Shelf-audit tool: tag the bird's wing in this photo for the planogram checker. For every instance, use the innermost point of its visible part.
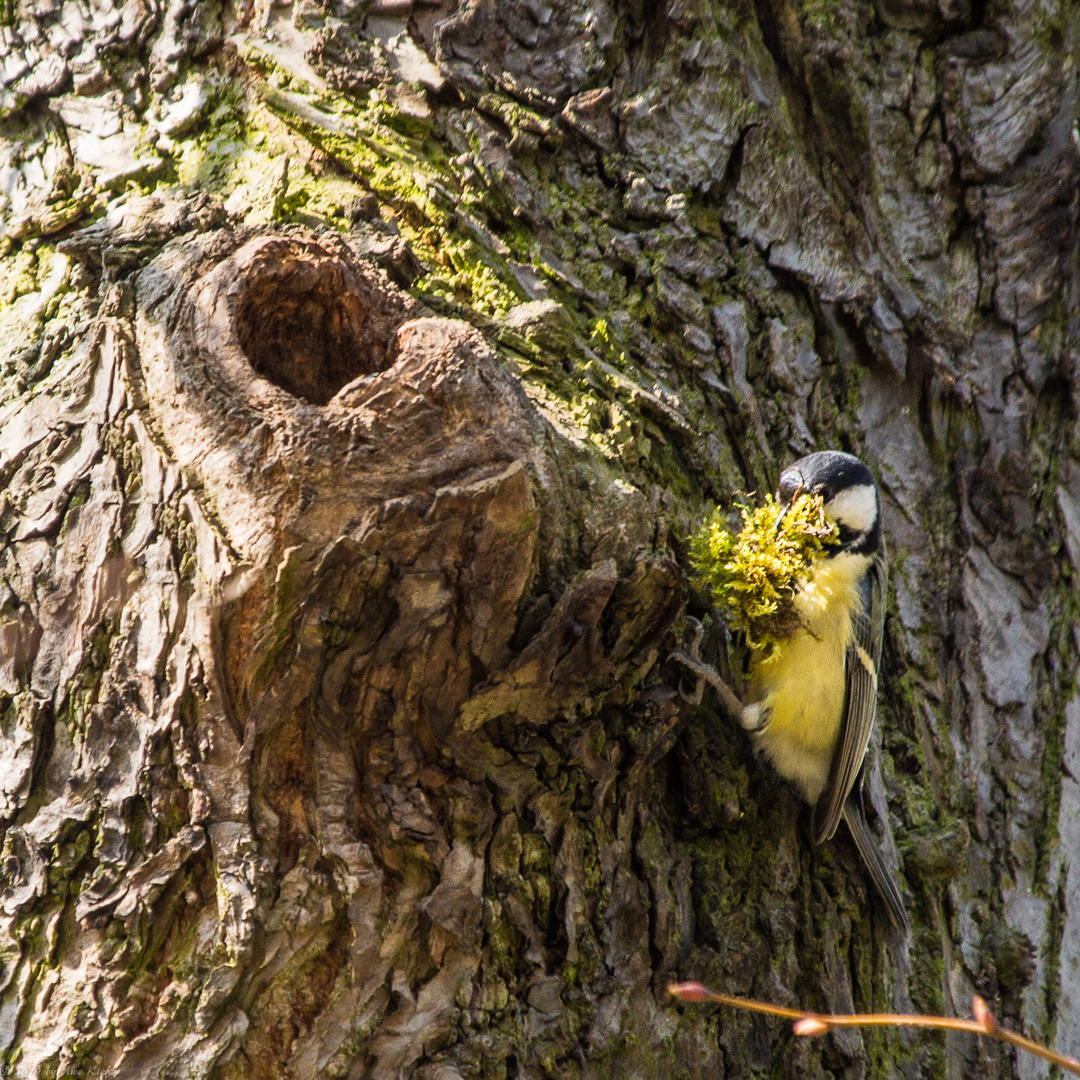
(861, 660)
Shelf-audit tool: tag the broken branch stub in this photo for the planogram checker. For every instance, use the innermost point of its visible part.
(300, 391)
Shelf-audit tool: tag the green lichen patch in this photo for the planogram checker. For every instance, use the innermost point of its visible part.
(752, 576)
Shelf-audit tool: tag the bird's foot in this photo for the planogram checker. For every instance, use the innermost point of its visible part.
(706, 673)
(692, 660)
(695, 696)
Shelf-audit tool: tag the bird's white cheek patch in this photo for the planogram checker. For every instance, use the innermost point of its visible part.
(856, 508)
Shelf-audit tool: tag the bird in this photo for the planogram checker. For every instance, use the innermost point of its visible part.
(813, 698)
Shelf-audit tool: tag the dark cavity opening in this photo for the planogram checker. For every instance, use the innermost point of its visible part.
(307, 322)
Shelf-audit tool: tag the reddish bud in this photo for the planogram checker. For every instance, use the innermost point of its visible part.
(689, 991)
(810, 1025)
(983, 1015)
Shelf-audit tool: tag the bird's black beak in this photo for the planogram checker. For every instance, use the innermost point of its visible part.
(789, 500)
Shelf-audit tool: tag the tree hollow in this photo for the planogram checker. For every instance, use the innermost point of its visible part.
(302, 323)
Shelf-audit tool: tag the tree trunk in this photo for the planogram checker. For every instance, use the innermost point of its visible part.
(365, 368)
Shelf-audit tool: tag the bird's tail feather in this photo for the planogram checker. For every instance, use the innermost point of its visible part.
(871, 856)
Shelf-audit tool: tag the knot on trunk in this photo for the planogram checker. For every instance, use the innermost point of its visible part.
(304, 392)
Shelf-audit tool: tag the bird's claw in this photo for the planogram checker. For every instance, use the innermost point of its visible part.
(705, 673)
(699, 633)
(699, 683)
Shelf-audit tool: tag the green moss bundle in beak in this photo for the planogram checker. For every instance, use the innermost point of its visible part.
(752, 577)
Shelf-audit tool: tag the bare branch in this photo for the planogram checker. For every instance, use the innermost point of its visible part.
(810, 1024)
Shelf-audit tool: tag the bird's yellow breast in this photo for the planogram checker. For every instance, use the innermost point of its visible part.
(802, 684)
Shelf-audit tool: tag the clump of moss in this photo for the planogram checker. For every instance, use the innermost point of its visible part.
(752, 577)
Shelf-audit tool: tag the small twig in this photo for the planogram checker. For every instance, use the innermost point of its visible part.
(808, 1023)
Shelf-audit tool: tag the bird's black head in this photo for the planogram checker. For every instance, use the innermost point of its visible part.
(850, 494)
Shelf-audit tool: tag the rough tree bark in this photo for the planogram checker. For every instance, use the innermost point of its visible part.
(365, 368)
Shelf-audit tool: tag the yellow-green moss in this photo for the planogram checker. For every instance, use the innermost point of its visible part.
(752, 577)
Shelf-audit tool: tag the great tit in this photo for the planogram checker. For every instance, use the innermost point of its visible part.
(814, 698)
